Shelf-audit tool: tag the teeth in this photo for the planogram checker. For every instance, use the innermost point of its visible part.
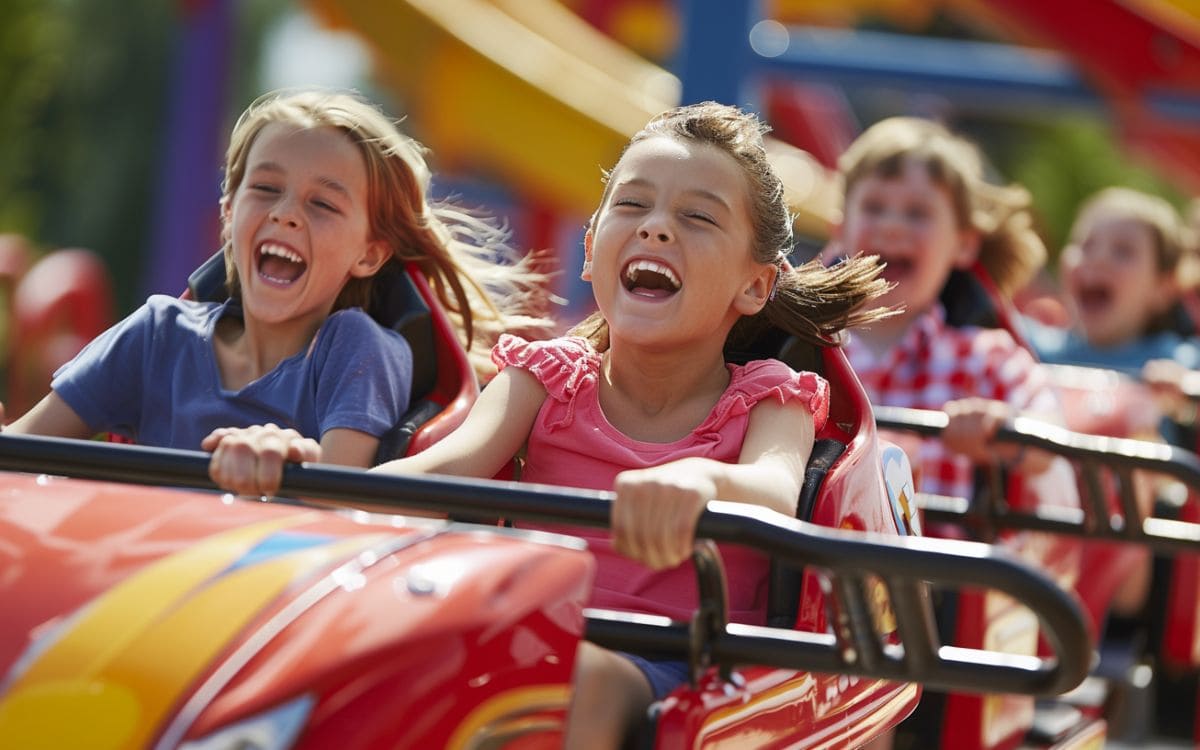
(280, 252)
(631, 271)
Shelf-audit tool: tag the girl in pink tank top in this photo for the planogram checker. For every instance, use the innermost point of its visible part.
(687, 251)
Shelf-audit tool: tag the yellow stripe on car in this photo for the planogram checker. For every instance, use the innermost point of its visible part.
(124, 660)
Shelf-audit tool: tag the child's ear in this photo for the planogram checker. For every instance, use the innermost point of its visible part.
(586, 273)
(371, 259)
(969, 241)
(757, 292)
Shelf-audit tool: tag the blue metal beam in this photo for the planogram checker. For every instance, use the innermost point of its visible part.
(995, 75)
(714, 56)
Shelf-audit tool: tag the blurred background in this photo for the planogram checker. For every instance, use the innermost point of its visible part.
(114, 115)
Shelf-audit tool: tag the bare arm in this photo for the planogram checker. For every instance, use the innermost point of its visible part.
(493, 432)
(51, 416)
(250, 461)
(770, 469)
(655, 513)
(346, 447)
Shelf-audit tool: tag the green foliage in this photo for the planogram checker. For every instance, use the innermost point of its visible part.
(1064, 161)
(85, 94)
(85, 91)
(33, 35)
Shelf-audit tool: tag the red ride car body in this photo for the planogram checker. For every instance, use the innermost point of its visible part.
(149, 617)
(141, 617)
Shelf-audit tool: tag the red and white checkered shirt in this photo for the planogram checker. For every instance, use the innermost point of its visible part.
(935, 363)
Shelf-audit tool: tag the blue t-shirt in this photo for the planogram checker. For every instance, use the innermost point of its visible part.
(1059, 346)
(153, 378)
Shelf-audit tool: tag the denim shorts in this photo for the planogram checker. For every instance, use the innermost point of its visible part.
(664, 675)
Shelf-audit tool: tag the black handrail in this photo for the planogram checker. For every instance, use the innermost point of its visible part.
(905, 564)
(1090, 454)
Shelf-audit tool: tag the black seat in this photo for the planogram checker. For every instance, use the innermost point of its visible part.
(968, 302)
(396, 304)
(786, 581)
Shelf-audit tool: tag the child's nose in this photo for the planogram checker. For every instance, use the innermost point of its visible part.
(655, 230)
(890, 221)
(284, 212)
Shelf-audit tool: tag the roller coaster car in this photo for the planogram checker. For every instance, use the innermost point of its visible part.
(443, 383)
(164, 618)
(1164, 635)
(141, 617)
(1110, 514)
(1149, 662)
(985, 619)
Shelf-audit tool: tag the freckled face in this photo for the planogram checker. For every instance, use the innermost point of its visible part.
(909, 222)
(298, 223)
(670, 257)
(1112, 280)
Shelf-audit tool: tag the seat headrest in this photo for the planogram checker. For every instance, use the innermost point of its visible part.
(968, 302)
(397, 304)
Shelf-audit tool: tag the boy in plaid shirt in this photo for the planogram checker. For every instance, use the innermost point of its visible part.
(915, 196)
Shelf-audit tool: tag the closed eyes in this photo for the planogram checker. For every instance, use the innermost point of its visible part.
(688, 213)
(269, 189)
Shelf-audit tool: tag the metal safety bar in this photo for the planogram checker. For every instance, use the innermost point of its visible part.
(848, 559)
(1093, 455)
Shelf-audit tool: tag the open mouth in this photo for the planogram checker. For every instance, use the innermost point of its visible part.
(1093, 299)
(646, 278)
(278, 264)
(895, 269)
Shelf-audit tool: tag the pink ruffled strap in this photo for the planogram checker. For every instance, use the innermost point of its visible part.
(769, 379)
(561, 365)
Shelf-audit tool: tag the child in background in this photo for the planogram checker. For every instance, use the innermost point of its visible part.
(915, 196)
(321, 191)
(687, 249)
(1121, 274)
